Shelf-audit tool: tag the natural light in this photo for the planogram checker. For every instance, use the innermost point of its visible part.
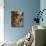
(1, 25)
(1, 21)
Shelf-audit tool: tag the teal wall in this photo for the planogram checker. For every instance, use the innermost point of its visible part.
(29, 7)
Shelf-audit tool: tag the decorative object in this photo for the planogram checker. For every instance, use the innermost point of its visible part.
(26, 41)
(17, 19)
(39, 16)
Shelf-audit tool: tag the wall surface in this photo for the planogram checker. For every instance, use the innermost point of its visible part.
(29, 7)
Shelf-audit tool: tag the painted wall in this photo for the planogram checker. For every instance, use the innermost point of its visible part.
(29, 7)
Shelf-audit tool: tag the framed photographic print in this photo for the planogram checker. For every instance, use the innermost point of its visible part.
(17, 19)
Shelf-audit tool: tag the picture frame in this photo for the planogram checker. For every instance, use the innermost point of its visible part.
(17, 19)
